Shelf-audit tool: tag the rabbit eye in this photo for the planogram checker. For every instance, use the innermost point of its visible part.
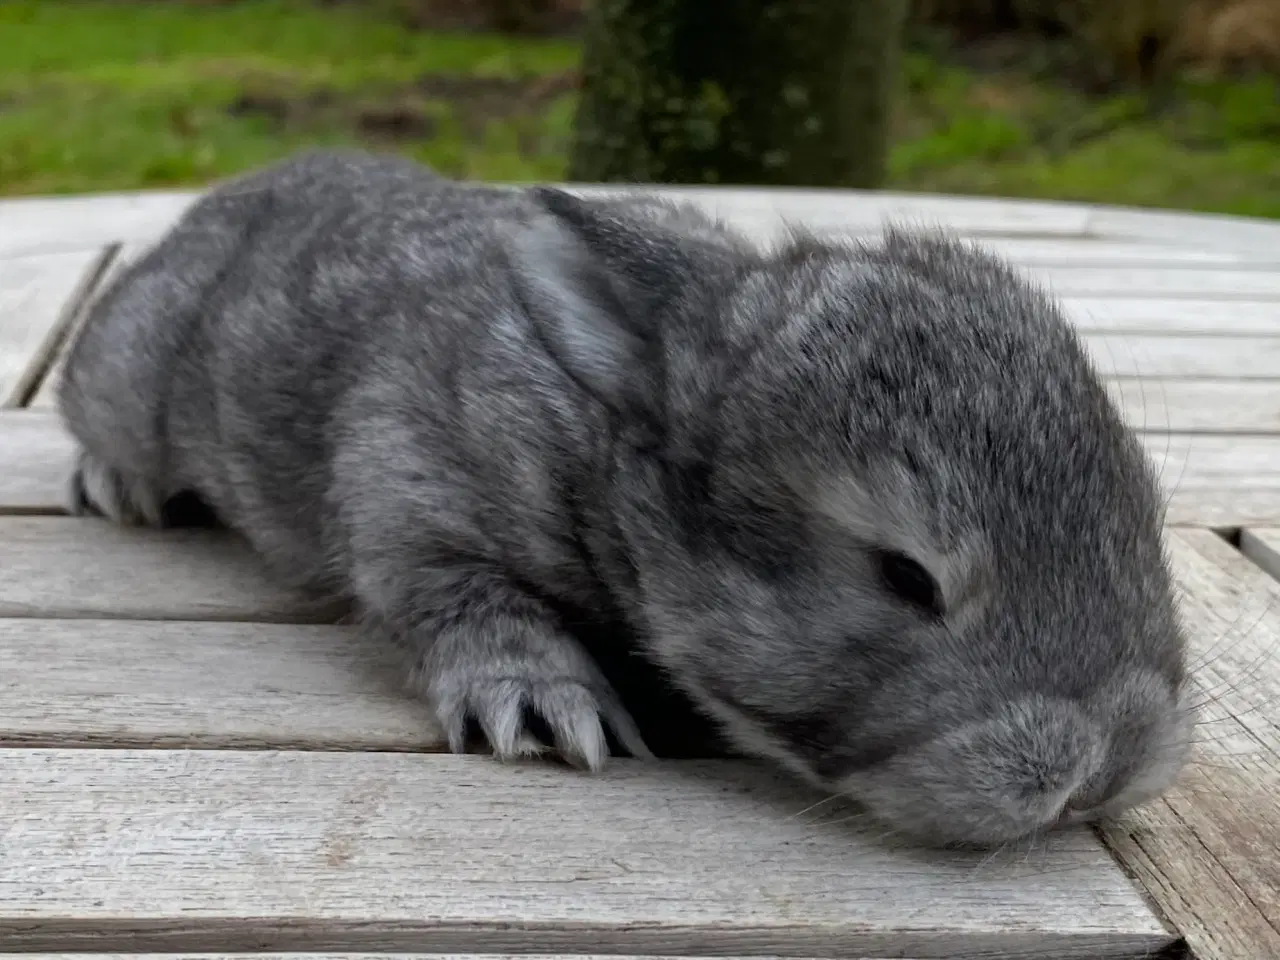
(911, 582)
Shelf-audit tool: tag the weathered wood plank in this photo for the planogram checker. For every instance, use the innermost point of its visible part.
(36, 458)
(1180, 280)
(1177, 356)
(232, 684)
(761, 209)
(70, 567)
(63, 568)
(129, 683)
(1222, 509)
(1157, 315)
(1209, 852)
(1205, 231)
(1217, 480)
(844, 209)
(1157, 404)
(982, 216)
(57, 224)
(390, 851)
(1225, 479)
(45, 397)
(37, 225)
(38, 295)
(229, 684)
(1209, 462)
(42, 225)
(1174, 357)
(1198, 406)
(1092, 252)
(1262, 546)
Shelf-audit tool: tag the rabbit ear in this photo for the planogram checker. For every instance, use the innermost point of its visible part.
(580, 275)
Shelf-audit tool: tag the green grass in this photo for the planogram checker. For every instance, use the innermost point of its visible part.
(1201, 144)
(103, 96)
(111, 96)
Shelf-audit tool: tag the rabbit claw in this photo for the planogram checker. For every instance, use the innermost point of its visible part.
(562, 685)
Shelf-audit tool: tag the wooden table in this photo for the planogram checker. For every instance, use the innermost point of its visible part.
(194, 767)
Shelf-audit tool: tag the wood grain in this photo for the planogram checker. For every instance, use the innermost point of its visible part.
(390, 851)
(71, 567)
(128, 683)
(37, 298)
(1208, 853)
(1262, 546)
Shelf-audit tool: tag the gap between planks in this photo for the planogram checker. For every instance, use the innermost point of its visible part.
(39, 297)
(182, 955)
(1208, 853)
(44, 397)
(1262, 546)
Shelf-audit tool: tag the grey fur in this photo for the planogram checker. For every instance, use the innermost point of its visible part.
(463, 407)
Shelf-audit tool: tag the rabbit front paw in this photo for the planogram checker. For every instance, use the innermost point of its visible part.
(97, 488)
(547, 673)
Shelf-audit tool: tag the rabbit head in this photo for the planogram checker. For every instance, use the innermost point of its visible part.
(882, 520)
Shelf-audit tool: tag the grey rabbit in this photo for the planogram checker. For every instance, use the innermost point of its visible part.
(865, 502)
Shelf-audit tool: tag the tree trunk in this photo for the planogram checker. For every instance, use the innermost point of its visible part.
(776, 92)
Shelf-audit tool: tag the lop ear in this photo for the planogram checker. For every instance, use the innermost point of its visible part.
(574, 266)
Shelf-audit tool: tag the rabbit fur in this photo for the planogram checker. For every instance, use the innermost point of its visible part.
(865, 503)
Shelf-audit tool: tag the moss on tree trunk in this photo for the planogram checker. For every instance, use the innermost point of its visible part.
(771, 92)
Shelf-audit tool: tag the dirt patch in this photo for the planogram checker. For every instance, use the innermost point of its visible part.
(395, 122)
(393, 116)
(408, 113)
(531, 17)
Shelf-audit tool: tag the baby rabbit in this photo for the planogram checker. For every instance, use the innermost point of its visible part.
(867, 504)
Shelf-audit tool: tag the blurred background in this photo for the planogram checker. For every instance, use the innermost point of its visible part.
(1163, 103)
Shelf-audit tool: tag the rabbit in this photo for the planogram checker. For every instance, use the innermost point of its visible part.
(864, 502)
